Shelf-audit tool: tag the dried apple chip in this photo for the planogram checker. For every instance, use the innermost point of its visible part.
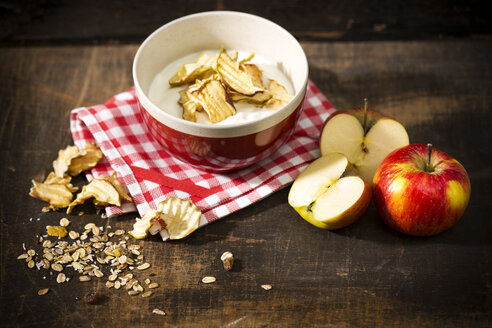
(189, 73)
(207, 60)
(235, 78)
(113, 179)
(211, 95)
(57, 195)
(279, 94)
(142, 226)
(182, 217)
(190, 107)
(247, 59)
(103, 192)
(255, 73)
(65, 156)
(85, 160)
(65, 180)
(258, 99)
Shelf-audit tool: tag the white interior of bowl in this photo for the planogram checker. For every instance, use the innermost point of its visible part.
(212, 30)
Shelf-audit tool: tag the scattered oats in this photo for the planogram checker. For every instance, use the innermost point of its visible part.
(22, 256)
(155, 285)
(159, 312)
(135, 252)
(111, 234)
(122, 259)
(132, 292)
(266, 287)
(208, 279)
(64, 222)
(109, 284)
(75, 256)
(83, 236)
(73, 234)
(45, 263)
(228, 260)
(147, 281)
(61, 278)
(89, 226)
(98, 273)
(24, 246)
(30, 264)
(113, 277)
(77, 265)
(81, 213)
(130, 283)
(84, 278)
(117, 284)
(119, 232)
(43, 291)
(144, 266)
(98, 245)
(96, 231)
(67, 258)
(147, 293)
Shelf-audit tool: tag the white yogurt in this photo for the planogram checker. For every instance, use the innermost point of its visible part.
(166, 98)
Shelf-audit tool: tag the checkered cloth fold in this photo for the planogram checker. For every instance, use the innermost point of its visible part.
(151, 175)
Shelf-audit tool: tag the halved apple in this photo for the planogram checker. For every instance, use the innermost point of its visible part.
(366, 137)
(328, 195)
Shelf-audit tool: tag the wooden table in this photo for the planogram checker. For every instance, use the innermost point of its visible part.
(360, 276)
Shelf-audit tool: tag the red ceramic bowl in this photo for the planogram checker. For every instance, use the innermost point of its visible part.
(228, 146)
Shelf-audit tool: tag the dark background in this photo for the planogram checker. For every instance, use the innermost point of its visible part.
(112, 21)
(427, 63)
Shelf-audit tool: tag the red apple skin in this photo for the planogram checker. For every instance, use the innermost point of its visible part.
(419, 203)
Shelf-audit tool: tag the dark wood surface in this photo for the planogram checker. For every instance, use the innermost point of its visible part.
(360, 276)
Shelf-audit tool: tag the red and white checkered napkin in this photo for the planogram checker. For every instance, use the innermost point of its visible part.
(151, 174)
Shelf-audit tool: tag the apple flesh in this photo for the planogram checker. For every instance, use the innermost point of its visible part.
(328, 195)
(418, 194)
(366, 137)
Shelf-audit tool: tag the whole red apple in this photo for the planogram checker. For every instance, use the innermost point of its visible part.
(420, 191)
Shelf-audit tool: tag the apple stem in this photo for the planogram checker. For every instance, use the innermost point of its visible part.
(365, 115)
(429, 153)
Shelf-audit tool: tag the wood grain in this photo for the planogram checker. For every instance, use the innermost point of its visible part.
(363, 275)
(90, 21)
